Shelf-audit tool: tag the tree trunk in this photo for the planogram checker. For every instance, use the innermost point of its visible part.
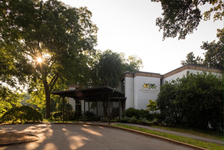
(47, 96)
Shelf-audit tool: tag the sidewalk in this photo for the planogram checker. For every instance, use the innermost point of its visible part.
(176, 133)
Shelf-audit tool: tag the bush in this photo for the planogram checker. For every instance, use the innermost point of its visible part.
(138, 114)
(194, 100)
(124, 120)
(56, 116)
(133, 120)
(23, 114)
(144, 121)
(90, 115)
(115, 112)
(130, 112)
(104, 119)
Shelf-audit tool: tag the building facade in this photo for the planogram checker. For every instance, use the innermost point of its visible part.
(139, 87)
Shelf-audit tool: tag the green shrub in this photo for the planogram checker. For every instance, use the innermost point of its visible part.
(133, 120)
(56, 116)
(144, 121)
(195, 100)
(90, 115)
(22, 114)
(115, 112)
(104, 119)
(144, 114)
(130, 112)
(124, 120)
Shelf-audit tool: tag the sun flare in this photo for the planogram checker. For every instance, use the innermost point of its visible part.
(39, 59)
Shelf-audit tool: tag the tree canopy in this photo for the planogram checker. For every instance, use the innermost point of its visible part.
(50, 30)
(191, 59)
(214, 51)
(213, 54)
(182, 17)
(108, 66)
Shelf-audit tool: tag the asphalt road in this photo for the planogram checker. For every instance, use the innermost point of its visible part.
(86, 137)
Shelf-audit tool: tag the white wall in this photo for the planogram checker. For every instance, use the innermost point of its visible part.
(174, 77)
(129, 92)
(142, 95)
(71, 100)
(182, 73)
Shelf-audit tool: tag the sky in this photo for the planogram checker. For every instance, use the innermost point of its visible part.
(129, 26)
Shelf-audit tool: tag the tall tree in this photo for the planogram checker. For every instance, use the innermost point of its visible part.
(132, 64)
(49, 31)
(110, 68)
(214, 51)
(191, 59)
(182, 17)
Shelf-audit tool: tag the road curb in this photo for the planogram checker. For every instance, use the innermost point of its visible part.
(158, 137)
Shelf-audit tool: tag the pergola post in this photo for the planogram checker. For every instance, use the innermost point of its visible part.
(109, 106)
(88, 111)
(84, 111)
(77, 110)
(119, 109)
(97, 110)
(63, 105)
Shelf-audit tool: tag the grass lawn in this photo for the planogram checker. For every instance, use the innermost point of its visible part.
(198, 143)
(207, 134)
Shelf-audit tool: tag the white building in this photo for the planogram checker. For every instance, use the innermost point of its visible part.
(139, 87)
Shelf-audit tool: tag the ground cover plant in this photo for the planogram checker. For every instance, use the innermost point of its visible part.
(23, 114)
(208, 145)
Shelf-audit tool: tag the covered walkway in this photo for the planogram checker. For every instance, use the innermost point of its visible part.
(96, 94)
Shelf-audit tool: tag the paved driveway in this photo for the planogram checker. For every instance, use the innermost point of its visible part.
(72, 136)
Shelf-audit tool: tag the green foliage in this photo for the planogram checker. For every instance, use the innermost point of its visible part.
(56, 116)
(130, 112)
(214, 51)
(115, 112)
(144, 114)
(194, 100)
(14, 68)
(23, 114)
(213, 56)
(90, 116)
(108, 66)
(138, 114)
(152, 105)
(8, 99)
(132, 64)
(190, 59)
(50, 30)
(144, 121)
(129, 120)
(182, 17)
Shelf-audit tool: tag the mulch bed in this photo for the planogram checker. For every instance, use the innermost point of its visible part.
(9, 138)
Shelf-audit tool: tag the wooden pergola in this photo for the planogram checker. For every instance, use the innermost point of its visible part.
(96, 94)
